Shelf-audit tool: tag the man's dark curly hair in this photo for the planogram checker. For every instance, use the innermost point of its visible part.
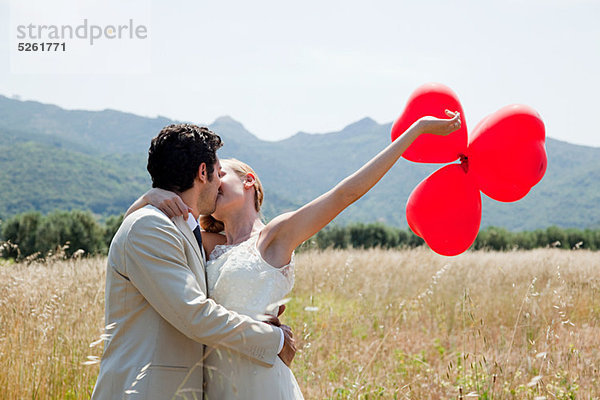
(176, 154)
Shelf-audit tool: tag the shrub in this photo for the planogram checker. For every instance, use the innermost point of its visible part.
(21, 230)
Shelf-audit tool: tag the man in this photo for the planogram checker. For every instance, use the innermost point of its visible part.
(157, 310)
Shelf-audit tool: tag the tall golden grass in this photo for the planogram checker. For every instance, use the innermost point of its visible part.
(369, 324)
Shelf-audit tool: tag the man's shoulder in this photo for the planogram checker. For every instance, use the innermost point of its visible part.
(146, 225)
(147, 214)
(147, 218)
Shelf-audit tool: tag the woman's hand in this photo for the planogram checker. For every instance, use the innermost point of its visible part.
(168, 202)
(438, 126)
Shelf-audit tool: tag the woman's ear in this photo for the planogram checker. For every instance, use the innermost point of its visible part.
(249, 181)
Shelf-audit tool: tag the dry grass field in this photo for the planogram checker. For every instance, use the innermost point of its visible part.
(370, 324)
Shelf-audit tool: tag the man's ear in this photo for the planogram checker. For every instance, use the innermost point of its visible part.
(202, 173)
(249, 181)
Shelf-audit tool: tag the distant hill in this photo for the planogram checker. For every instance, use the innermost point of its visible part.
(104, 132)
(36, 176)
(54, 158)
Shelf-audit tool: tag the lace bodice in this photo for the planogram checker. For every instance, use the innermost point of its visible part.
(242, 281)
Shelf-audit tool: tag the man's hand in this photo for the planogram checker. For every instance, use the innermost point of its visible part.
(271, 320)
(288, 352)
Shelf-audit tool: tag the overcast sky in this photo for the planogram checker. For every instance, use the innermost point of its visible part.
(316, 66)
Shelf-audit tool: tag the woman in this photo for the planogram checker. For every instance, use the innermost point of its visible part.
(251, 266)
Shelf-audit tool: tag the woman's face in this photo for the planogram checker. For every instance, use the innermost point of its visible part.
(231, 195)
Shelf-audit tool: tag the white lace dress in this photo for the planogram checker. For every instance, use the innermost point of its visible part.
(242, 281)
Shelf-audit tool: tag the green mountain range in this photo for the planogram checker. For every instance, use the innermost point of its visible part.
(52, 158)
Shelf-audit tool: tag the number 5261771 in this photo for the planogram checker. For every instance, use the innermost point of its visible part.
(44, 46)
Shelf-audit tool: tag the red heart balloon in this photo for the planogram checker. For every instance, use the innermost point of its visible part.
(432, 99)
(507, 153)
(445, 210)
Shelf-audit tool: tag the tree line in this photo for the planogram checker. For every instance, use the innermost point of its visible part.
(32, 235)
(364, 236)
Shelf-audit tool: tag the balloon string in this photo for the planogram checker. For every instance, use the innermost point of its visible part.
(464, 162)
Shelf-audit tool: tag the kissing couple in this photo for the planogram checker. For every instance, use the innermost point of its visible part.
(183, 325)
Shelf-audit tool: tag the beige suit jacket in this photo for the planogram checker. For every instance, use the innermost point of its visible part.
(159, 316)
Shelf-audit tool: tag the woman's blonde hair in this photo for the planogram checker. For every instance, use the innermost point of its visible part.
(208, 222)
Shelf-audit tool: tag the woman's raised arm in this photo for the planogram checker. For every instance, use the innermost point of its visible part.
(284, 233)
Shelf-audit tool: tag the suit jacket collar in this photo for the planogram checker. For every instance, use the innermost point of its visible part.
(189, 235)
